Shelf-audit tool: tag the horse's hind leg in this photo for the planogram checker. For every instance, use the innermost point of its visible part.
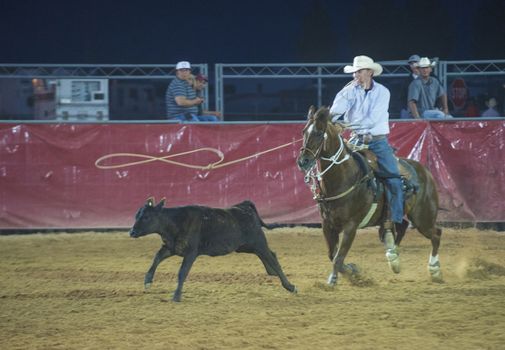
(400, 231)
(434, 234)
(434, 263)
(392, 254)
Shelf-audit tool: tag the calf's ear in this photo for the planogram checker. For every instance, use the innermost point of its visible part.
(150, 202)
(161, 203)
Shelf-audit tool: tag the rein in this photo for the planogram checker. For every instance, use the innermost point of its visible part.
(334, 159)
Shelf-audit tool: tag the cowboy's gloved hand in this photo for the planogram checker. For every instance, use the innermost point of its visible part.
(367, 138)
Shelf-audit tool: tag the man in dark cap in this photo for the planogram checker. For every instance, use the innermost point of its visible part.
(413, 63)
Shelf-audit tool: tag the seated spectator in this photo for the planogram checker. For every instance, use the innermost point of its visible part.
(472, 110)
(491, 111)
(424, 93)
(180, 98)
(198, 83)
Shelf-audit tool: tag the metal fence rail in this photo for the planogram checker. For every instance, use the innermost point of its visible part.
(398, 68)
(470, 68)
(293, 70)
(224, 72)
(93, 71)
(97, 71)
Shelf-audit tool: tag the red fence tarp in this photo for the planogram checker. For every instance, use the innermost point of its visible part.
(48, 176)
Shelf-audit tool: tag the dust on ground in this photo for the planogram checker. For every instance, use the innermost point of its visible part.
(85, 291)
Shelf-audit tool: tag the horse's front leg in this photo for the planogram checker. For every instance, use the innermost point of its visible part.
(338, 259)
(331, 235)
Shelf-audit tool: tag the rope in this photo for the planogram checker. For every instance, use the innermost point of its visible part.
(165, 159)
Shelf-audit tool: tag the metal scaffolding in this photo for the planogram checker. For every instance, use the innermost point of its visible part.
(399, 68)
(98, 71)
(223, 72)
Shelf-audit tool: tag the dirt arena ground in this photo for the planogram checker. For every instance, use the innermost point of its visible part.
(85, 291)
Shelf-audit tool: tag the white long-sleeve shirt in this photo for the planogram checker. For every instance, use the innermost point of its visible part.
(367, 109)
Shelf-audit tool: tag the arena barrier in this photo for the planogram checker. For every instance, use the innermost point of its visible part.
(97, 175)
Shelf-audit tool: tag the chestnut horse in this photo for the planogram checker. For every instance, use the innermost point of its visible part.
(349, 196)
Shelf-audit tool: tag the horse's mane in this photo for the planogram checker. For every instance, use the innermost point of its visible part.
(333, 131)
(323, 115)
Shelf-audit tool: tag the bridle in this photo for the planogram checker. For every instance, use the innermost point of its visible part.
(315, 174)
(334, 159)
(304, 147)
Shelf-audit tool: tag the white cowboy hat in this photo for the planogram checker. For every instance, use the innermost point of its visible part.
(363, 62)
(425, 62)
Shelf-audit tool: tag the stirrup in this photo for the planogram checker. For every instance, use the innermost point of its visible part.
(388, 225)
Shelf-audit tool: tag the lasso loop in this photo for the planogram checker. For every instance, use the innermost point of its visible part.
(166, 159)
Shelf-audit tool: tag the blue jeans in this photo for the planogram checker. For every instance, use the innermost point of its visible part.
(188, 117)
(207, 118)
(433, 114)
(389, 165)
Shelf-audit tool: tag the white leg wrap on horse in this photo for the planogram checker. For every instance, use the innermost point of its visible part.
(332, 279)
(434, 269)
(392, 254)
(389, 240)
(433, 259)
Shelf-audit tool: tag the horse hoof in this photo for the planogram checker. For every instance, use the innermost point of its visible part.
(436, 273)
(295, 290)
(147, 286)
(393, 260)
(353, 269)
(437, 278)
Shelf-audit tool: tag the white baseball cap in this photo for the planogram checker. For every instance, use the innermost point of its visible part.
(183, 65)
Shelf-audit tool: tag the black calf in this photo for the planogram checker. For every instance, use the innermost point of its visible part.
(196, 230)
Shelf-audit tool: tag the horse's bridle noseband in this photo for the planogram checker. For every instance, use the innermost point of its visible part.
(317, 154)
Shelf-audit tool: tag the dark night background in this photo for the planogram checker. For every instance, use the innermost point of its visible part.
(262, 31)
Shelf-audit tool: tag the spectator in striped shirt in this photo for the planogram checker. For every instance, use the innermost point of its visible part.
(181, 99)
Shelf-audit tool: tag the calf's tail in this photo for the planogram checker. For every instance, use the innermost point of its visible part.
(265, 225)
(270, 226)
